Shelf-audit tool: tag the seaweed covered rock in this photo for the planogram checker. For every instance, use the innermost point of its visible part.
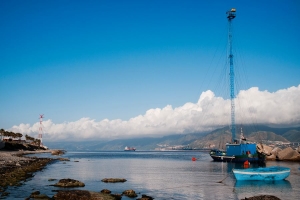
(57, 152)
(69, 183)
(262, 197)
(116, 196)
(72, 194)
(105, 191)
(38, 195)
(81, 195)
(63, 159)
(113, 180)
(12, 175)
(130, 193)
(145, 197)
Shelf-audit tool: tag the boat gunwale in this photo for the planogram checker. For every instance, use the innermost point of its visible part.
(257, 173)
(263, 171)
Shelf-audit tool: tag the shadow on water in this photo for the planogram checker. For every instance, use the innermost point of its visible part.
(280, 184)
(282, 189)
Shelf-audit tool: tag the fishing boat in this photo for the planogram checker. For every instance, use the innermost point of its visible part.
(129, 149)
(262, 174)
(239, 150)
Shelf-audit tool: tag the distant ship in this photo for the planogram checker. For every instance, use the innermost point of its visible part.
(129, 149)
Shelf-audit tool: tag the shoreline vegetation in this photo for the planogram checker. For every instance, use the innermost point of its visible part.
(16, 168)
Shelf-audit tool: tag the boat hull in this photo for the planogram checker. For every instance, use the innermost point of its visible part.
(238, 153)
(129, 149)
(262, 174)
(237, 159)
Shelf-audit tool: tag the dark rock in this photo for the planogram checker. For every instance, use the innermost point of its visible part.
(72, 194)
(130, 193)
(57, 152)
(35, 193)
(40, 196)
(116, 196)
(63, 159)
(262, 197)
(13, 146)
(14, 176)
(105, 191)
(4, 194)
(145, 197)
(69, 183)
(114, 180)
(52, 179)
(81, 195)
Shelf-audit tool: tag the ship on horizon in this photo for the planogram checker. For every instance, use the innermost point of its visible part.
(129, 148)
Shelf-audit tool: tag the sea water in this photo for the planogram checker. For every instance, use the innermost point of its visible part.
(162, 175)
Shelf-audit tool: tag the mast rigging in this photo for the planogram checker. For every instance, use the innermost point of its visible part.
(231, 16)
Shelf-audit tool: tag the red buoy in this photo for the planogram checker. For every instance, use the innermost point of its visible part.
(246, 164)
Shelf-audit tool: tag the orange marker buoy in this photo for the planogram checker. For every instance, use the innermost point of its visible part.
(194, 159)
(246, 164)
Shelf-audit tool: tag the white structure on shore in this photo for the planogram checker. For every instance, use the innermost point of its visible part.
(40, 136)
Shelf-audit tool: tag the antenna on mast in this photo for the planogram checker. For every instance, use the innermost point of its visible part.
(40, 136)
(231, 16)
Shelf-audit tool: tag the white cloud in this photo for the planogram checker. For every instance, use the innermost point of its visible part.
(252, 106)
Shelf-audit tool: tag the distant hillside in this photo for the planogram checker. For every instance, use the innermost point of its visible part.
(256, 133)
(141, 144)
(292, 135)
(266, 135)
(215, 139)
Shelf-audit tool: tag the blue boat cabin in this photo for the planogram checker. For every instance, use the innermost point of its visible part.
(240, 149)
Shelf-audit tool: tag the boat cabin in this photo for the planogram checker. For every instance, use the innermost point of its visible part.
(240, 149)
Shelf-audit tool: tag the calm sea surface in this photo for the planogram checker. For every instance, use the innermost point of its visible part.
(162, 175)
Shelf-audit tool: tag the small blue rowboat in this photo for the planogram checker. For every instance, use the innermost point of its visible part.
(262, 174)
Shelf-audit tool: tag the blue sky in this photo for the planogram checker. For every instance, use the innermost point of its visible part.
(117, 59)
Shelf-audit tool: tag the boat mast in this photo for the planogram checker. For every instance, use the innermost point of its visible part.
(231, 16)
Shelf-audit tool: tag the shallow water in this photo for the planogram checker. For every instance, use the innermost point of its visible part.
(162, 175)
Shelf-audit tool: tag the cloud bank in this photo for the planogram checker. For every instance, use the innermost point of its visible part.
(281, 108)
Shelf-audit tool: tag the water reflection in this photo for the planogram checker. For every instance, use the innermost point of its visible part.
(279, 189)
(280, 184)
(164, 175)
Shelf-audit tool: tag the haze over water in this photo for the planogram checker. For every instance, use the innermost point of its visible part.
(162, 175)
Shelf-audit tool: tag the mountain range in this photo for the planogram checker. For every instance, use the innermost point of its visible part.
(214, 139)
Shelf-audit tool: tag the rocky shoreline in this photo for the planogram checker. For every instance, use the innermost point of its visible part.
(15, 168)
(287, 154)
